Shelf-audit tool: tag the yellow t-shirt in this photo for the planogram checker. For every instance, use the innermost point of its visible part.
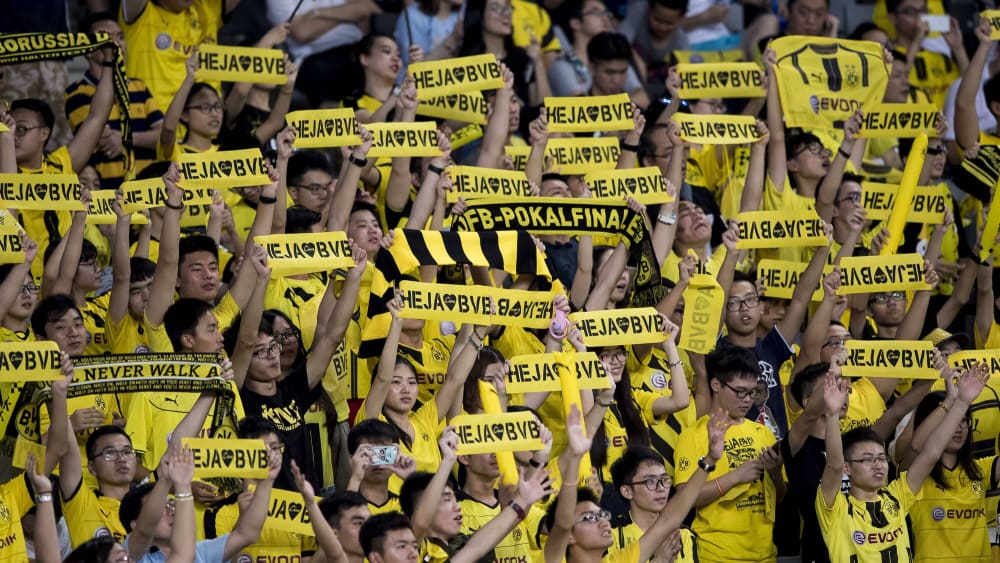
(614, 428)
(159, 42)
(89, 514)
(740, 522)
(630, 533)
(95, 312)
(16, 499)
(628, 555)
(289, 294)
(426, 429)
(865, 407)
(43, 226)
(275, 544)
(951, 524)
(129, 336)
(933, 73)
(344, 367)
(475, 514)
(390, 505)
(850, 534)
(430, 361)
(670, 266)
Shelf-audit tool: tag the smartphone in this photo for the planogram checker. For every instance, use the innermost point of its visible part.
(937, 23)
(383, 455)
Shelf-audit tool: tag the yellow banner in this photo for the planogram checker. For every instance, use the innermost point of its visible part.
(287, 512)
(641, 325)
(324, 128)
(720, 80)
(3, 128)
(30, 361)
(540, 372)
(519, 155)
(781, 277)
(491, 433)
(928, 205)
(580, 155)
(466, 135)
(909, 359)
(588, 114)
(704, 301)
(452, 76)
(966, 358)
(40, 192)
(240, 64)
(222, 169)
(476, 304)
(992, 226)
(876, 274)
(22, 448)
(11, 250)
(646, 185)
(781, 229)
(306, 253)
(698, 57)
(469, 182)
(891, 121)
(717, 129)
(993, 16)
(465, 107)
(244, 459)
(101, 211)
(143, 194)
(196, 196)
(404, 139)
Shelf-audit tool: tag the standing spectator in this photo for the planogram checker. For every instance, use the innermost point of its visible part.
(654, 31)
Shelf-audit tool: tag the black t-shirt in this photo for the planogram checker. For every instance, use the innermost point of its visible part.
(805, 471)
(286, 409)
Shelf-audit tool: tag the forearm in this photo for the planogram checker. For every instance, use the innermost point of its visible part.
(172, 118)
(183, 535)
(913, 322)
(966, 117)
(326, 538)
(430, 500)
(46, 551)
(753, 190)
(235, 101)
(276, 120)
(146, 139)
(496, 130)
(534, 168)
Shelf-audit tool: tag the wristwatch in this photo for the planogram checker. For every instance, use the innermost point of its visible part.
(359, 162)
(704, 465)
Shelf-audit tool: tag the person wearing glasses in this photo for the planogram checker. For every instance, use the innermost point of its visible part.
(868, 522)
(198, 106)
(734, 508)
(641, 478)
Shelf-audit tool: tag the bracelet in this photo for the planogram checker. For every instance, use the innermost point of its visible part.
(183, 496)
(267, 200)
(945, 407)
(175, 207)
(628, 147)
(719, 486)
(521, 514)
(606, 405)
(43, 497)
(667, 219)
(359, 162)
(435, 169)
(843, 153)
(675, 364)
(478, 344)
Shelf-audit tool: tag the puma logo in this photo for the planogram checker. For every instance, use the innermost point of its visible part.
(172, 400)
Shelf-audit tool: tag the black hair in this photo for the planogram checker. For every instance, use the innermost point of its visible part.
(404, 438)
(792, 2)
(631, 418)
(726, 364)
(38, 106)
(367, 43)
(333, 506)
(141, 269)
(624, 469)
(253, 427)
(373, 531)
(100, 432)
(94, 550)
(608, 46)
(991, 90)
(131, 505)
(153, 170)
(364, 206)
(965, 457)
(676, 5)
(87, 251)
(372, 431)
(414, 486)
(300, 220)
(196, 243)
(88, 21)
(472, 32)
(806, 380)
(797, 142)
(739, 276)
(857, 436)
(49, 310)
(583, 494)
(472, 402)
(305, 161)
(182, 318)
(863, 28)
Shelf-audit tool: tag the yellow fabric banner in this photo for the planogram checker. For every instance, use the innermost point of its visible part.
(101, 211)
(892, 121)
(240, 64)
(469, 182)
(966, 358)
(698, 57)
(288, 513)
(993, 16)
(580, 155)
(822, 81)
(306, 253)
(11, 250)
(465, 107)
(197, 196)
(781, 229)
(910, 359)
(645, 184)
(518, 155)
(717, 129)
(720, 80)
(781, 277)
(466, 135)
(992, 226)
(213, 457)
(143, 194)
(641, 325)
(704, 301)
(30, 361)
(928, 204)
(587, 114)
(532, 373)
(403, 139)
(324, 128)
(40, 192)
(491, 433)
(876, 274)
(904, 197)
(451, 76)
(22, 448)
(222, 169)
(476, 304)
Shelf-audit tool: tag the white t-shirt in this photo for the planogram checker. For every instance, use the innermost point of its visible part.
(704, 33)
(278, 12)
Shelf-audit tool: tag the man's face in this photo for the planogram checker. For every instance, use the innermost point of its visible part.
(138, 297)
(833, 344)
(265, 362)
(313, 190)
(121, 469)
(30, 134)
(609, 77)
(811, 161)
(807, 17)
(364, 228)
(595, 18)
(743, 309)
(907, 17)
(737, 396)
(399, 546)
(899, 84)
(642, 496)
(663, 21)
(888, 309)
(591, 531)
(448, 518)
(482, 465)
(206, 339)
(67, 331)
(866, 465)
(198, 276)
(349, 526)
(112, 28)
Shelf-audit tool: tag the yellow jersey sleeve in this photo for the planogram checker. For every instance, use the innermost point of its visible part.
(15, 501)
(89, 515)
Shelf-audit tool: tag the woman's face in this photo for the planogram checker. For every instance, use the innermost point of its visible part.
(383, 60)
(614, 361)
(203, 114)
(498, 18)
(118, 554)
(89, 178)
(402, 390)
(621, 288)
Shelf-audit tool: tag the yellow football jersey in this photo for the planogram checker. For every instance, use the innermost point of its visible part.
(952, 524)
(16, 499)
(476, 514)
(90, 514)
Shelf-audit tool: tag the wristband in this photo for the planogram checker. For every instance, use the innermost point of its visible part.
(267, 200)
(945, 407)
(43, 497)
(667, 219)
(435, 169)
(843, 153)
(606, 405)
(719, 486)
(521, 514)
(175, 207)
(675, 364)
(359, 162)
(478, 344)
(628, 147)
(183, 496)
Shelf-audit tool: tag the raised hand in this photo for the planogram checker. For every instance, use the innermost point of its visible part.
(395, 305)
(834, 393)
(404, 466)
(718, 423)
(579, 442)
(286, 138)
(448, 442)
(303, 484)
(971, 383)
(533, 486)
(40, 483)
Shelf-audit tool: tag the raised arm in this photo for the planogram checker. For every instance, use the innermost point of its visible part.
(629, 155)
(183, 533)
(243, 286)
(57, 441)
(87, 135)
(397, 192)
(966, 117)
(350, 175)
(984, 297)
(753, 189)
(827, 190)
(326, 343)
(279, 217)
(251, 521)
(45, 514)
(538, 136)
(458, 370)
(172, 118)
(250, 321)
(121, 269)
(790, 325)
(70, 259)
(607, 278)
(913, 322)
(434, 177)
(834, 395)
(498, 126)
(569, 466)
(430, 499)
(141, 537)
(326, 538)
(680, 396)
(777, 160)
(387, 362)
(13, 284)
(161, 291)
(276, 119)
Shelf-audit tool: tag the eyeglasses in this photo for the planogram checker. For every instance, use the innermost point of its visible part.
(750, 301)
(273, 349)
(208, 108)
(883, 298)
(30, 289)
(934, 151)
(286, 336)
(869, 461)
(88, 264)
(115, 455)
(816, 149)
(743, 393)
(853, 197)
(500, 9)
(835, 343)
(21, 130)
(654, 483)
(613, 356)
(316, 188)
(278, 448)
(594, 517)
